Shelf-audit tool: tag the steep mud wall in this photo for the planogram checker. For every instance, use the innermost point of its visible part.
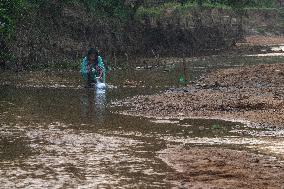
(60, 35)
(185, 31)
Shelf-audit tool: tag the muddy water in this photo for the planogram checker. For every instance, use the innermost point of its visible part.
(56, 134)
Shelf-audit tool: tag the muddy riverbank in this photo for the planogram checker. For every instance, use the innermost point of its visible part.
(253, 95)
(211, 167)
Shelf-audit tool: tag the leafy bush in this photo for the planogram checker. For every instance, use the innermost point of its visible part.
(10, 11)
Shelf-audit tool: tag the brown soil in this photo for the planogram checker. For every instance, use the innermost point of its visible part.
(211, 167)
(264, 40)
(254, 94)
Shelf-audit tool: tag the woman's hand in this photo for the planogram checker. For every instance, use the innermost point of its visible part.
(99, 79)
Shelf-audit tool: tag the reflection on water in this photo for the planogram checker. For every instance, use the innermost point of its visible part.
(93, 104)
(67, 139)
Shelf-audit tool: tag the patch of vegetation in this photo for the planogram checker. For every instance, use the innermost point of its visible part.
(216, 126)
(281, 15)
(220, 4)
(66, 64)
(261, 30)
(10, 12)
(157, 11)
(180, 6)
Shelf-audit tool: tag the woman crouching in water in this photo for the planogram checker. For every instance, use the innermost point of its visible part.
(93, 68)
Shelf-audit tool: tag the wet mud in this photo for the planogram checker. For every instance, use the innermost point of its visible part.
(252, 95)
(213, 167)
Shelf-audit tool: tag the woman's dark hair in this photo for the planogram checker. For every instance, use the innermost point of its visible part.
(95, 52)
(92, 51)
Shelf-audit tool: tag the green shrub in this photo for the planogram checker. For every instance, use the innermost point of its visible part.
(10, 12)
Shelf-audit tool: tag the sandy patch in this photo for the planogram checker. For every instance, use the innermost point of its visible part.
(211, 167)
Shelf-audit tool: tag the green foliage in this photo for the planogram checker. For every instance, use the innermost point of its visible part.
(153, 12)
(184, 5)
(239, 4)
(281, 17)
(113, 8)
(10, 11)
(216, 126)
(263, 3)
(235, 4)
(109, 8)
(157, 11)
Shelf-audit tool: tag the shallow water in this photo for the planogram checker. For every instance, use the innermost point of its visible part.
(56, 134)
